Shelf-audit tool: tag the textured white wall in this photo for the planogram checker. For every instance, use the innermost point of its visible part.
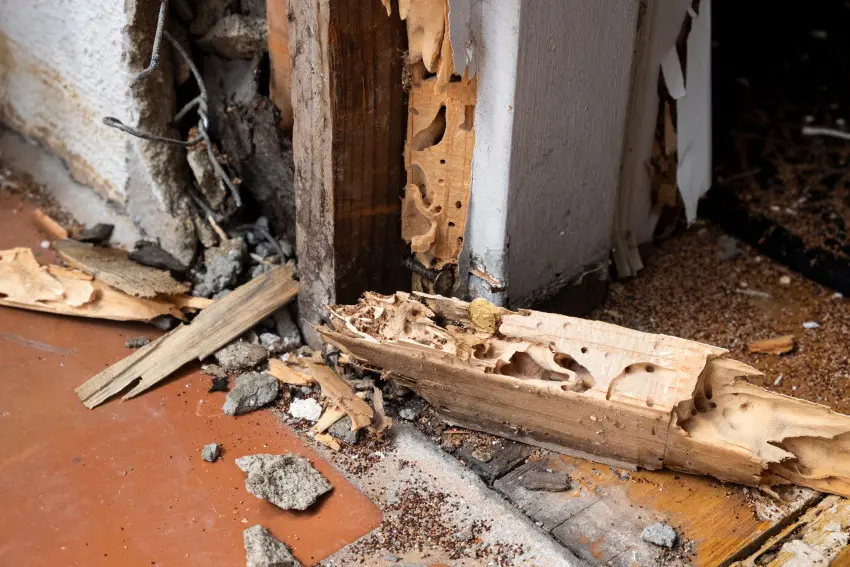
(62, 68)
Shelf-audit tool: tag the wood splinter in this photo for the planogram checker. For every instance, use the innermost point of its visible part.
(598, 391)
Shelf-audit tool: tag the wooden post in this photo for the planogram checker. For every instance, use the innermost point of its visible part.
(348, 144)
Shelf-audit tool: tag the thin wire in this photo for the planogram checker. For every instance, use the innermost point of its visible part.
(157, 41)
(113, 122)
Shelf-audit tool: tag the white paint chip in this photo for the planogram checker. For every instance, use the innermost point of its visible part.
(811, 325)
(305, 408)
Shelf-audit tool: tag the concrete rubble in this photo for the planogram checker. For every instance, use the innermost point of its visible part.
(342, 431)
(240, 355)
(660, 534)
(210, 453)
(305, 408)
(253, 390)
(288, 481)
(262, 549)
(223, 265)
(236, 37)
(136, 342)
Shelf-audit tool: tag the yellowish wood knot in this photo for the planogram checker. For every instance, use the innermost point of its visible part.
(485, 316)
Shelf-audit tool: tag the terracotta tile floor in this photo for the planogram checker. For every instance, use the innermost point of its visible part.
(124, 484)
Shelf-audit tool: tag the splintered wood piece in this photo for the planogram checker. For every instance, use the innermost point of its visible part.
(341, 394)
(53, 289)
(599, 391)
(115, 268)
(426, 28)
(288, 375)
(328, 441)
(775, 345)
(190, 302)
(331, 416)
(213, 328)
(380, 422)
(816, 538)
(47, 224)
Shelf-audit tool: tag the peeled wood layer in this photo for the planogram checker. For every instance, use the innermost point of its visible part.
(597, 390)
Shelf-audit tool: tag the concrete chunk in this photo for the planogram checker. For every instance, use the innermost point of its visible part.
(660, 534)
(262, 549)
(240, 356)
(210, 453)
(288, 481)
(305, 408)
(253, 390)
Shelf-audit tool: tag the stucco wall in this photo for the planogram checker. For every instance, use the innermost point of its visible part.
(64, 65)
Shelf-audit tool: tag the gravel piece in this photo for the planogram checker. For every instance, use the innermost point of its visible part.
(240, 356)
(210, 453)
(544, 480)
(413, 409)
(213, 370)
(253, 390)
(287, 330)
(262, 549)
(288, 481)
(305, 408)
(137, 342)
(224, 264)
(272, 343)
(660, 534)
(342, 431)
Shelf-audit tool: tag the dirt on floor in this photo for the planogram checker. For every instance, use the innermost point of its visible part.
(692, 289)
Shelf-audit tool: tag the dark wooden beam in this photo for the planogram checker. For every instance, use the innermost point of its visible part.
(348, 143)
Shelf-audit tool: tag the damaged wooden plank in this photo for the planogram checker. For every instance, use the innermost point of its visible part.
(213, 328)
(348, 146)
(599, 391)
(288, 375)
(114, 267)
(54, 289)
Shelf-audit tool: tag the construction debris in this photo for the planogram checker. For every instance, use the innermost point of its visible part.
(210, 453)
(775, 345)
(98, 234)
(53, 289)
(288, 375)
(240, 355)
(342, 431)
(660, 534)
(633, 399)
(253, 390)
(237, 37)
(305, 408)
(151, 255)
(341, 394)
(547, 480)
(213, 328)
(224, 264)
(262, 549)
(115, 268)
(287, 330)
(288, 481)
(137, 342)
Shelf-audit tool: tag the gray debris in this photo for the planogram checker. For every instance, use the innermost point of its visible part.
(413, 409)
(210, 185)
(287, 330)
(240, 356)
(260, 269)
(391, 558)
(727, 247)
(342, 431)
(253, 390)
(224, 264)
(544, 480)
(165, 322)
(222, 294)
(150, 254)
(465, 535)
(207, 14)
(272, 343)
(237, 37)
(211, 452)
(485, 455)
(660, 534)
(305, 408)
(137, 342)
(262, 549)
(98, 234)
(288, 249)
(288, 481)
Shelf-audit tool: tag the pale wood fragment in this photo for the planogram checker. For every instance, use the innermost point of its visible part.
(115, 268)
(53, 289)
(213, 328)
(190, 302)
(600, 391)
(49, 225)
(341, 394)
(380, 422)
(328, 441)
(775, 345)
(288, 375)
(331, 416)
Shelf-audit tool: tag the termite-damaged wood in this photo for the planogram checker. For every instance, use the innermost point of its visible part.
(440, 138)
(599, 391)
(216, 326)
